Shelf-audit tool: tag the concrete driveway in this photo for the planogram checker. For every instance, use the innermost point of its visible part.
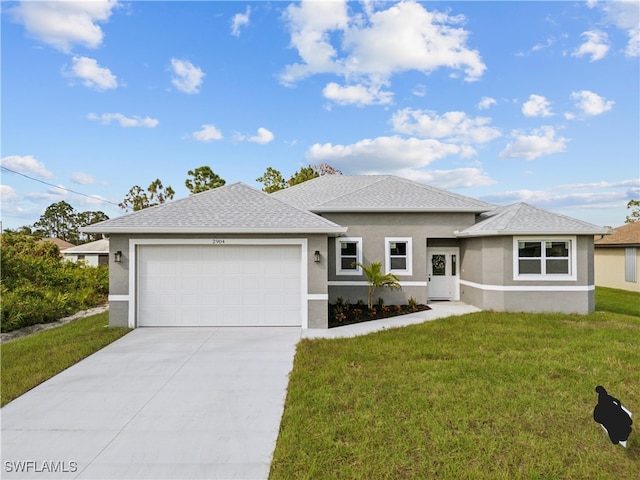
(158, 403)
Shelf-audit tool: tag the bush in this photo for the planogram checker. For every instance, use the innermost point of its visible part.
(38, 287)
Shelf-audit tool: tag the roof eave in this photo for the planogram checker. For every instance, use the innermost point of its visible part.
(214, 230)
(496, 233)
(397, 210)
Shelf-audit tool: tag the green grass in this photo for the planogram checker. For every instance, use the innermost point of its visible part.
(29, 361)
(486, 395)
(618, 301)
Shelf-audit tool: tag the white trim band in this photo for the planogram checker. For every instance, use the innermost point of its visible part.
(529, 288)
(317, 296)
(340, 283)
(118, 298)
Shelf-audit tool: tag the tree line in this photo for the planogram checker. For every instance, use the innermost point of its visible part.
(204, 178)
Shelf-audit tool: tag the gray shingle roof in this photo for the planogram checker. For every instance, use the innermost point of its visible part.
(525, 219)
(99, 246)
(376, 193)
(235, 208)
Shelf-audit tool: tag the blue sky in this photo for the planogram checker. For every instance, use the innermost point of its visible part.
(503, 101)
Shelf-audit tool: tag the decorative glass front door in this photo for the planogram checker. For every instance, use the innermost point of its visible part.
(442, 272)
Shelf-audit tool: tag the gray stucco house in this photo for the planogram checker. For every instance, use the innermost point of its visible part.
(238, 256)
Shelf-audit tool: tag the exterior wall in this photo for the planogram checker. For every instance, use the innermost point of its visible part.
(609, 268)
(487, 279)
(120, 291)
(93, 260)
(373, 228)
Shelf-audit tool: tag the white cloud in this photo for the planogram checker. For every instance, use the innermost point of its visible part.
(207, 133)
(359, 95)
(107, 118)
(596, 45)
(542, 141)
(591, 103)
(536, 106)
(634, 183)
(486, 103)
(376, 44)
(7, 194)
(625, 15)
(240, 20)
(384, 153)
(27, 165)
(454, 126)
(64, 24)
(456, 178)
(263, 137)
(186, 77)
(555, 199)
(83, 178)
(92, 75)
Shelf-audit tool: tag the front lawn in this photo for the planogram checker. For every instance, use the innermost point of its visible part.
(29, 361)
(486, 395)
(618, 301)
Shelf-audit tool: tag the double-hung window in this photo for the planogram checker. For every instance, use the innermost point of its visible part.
(548, 259)
(348, 254)
(398, 255)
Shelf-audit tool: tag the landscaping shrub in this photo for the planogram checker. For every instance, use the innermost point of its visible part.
(39, 287)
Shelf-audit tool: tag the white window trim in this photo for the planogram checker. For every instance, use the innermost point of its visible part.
(387, 255)
(573, 261)
(339, 270)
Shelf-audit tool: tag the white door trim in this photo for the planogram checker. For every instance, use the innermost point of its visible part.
(133, 264)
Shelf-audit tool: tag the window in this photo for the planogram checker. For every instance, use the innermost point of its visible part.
(348, 253)
(398, 256)
(552, 259)
(630, 264)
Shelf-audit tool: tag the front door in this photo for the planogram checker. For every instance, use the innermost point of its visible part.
(442, 269)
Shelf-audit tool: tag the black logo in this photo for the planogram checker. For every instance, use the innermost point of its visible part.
(613, 416)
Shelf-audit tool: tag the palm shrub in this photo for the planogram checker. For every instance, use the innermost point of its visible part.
(377, 279)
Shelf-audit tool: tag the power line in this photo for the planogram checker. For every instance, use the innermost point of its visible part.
(59, 187)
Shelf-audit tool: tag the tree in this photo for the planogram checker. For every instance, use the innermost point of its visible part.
(272, 180)
(634, 205)
(158, 193)
(377, 279)
(89, 218)
(323, 169)
(302, 175)
(137, 198)
(203, 179)
(58, 220)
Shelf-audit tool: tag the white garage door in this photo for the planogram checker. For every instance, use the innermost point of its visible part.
(222, 285)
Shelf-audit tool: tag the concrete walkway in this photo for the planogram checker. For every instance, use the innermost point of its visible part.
(160, 403)
(438, 310)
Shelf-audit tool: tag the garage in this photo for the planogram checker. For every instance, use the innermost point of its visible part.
(219, 285)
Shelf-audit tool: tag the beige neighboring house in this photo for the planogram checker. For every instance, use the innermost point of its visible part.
(617, 258)
(58, 242)
(92, 253)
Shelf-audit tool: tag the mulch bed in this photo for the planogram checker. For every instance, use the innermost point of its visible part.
(347, 314)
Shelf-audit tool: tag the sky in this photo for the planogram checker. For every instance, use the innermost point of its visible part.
(534, 102)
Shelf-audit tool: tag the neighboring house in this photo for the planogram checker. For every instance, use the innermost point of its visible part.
(58, 242)
(92, 253)
(617, 258)
(238, 256)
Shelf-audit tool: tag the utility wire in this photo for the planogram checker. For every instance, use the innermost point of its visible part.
(59, 187)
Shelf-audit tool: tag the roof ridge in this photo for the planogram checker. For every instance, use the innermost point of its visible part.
(303, 210)
(333, 199)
